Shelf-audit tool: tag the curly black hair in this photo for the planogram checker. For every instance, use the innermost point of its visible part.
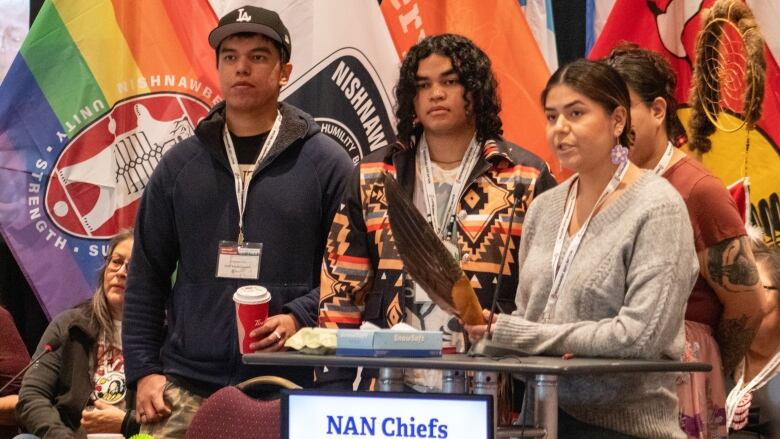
(474, 72)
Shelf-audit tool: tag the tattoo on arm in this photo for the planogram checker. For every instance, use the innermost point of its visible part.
(734, 338)
(730, 266)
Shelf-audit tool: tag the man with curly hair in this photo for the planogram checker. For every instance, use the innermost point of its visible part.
(451, 159)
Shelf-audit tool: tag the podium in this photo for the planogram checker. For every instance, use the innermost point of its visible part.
(544, 372)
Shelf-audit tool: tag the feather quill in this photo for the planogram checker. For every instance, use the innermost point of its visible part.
(427, 260)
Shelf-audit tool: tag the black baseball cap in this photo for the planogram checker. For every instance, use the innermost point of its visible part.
(255, 20)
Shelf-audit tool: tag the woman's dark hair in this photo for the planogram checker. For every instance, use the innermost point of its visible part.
(650, 76)
(598, 82)
(474, 72)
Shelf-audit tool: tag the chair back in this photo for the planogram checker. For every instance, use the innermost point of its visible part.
(231, 413)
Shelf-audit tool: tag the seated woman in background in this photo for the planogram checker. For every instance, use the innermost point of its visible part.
(607, 264)
(79, 387)
(726, 305)
(757, 373)
(13, 358)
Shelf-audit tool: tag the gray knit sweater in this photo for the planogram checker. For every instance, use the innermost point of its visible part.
(625, 297)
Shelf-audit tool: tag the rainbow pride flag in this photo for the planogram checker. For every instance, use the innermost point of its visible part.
(98, 93)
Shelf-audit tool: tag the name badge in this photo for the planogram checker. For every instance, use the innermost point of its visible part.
(239, 261)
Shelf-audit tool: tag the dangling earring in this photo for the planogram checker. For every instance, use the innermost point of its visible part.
(619, 154)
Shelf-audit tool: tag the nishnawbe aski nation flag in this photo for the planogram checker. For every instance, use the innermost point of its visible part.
(98, 93)
(344, 68)
(500, 29)
(670, 27)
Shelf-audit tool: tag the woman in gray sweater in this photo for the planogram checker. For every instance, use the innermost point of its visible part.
(608, 262)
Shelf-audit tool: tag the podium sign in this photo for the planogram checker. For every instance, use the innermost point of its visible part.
(311, 414)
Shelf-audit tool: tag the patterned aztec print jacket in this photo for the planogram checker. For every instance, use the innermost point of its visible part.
(362, 274)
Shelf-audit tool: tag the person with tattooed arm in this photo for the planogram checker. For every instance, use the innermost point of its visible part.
(727, 303)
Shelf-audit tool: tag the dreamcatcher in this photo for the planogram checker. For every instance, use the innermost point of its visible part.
(728, 81)
(729, 74)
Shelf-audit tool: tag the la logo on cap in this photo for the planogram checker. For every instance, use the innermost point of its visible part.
(243, 16)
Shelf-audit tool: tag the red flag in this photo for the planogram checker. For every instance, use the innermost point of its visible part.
(671, 27)
(740, 192)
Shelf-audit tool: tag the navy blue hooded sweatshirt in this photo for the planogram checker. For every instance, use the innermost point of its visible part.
(190, 206)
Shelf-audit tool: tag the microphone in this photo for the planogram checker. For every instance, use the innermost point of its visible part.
(485, 347)
(49, 347)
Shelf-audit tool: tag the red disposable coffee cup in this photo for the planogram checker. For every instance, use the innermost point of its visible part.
(251, 312)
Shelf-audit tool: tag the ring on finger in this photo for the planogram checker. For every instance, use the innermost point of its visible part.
(277, 335)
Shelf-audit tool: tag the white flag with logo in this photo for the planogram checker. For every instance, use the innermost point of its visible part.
(344, 68)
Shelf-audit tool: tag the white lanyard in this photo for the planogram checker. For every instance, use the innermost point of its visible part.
(560, 272)
(242, 188)
(660, 168)
(429, 191)
(741, 389)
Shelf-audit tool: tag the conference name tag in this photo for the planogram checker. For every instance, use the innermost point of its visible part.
(239, 261)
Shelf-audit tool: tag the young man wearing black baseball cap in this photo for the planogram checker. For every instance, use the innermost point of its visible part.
(257, 171)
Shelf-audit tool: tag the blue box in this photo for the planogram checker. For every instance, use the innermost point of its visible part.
(388, 343)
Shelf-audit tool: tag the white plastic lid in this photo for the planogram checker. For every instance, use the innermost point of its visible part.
(251, 294)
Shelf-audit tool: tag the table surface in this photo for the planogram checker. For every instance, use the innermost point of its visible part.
(526, 365)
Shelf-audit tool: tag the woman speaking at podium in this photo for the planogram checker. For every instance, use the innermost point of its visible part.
(608, 262)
